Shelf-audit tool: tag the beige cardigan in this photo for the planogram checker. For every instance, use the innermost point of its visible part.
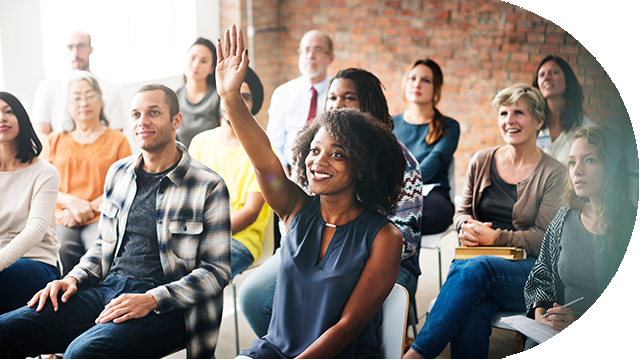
(538, 200)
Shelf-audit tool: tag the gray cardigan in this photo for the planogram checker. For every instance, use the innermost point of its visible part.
(538, 200)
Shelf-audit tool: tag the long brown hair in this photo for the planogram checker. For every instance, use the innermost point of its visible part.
(437, 127)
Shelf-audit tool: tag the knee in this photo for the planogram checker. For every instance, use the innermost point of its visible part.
(476, 269)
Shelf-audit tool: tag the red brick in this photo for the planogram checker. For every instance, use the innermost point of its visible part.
(442, 15)
(512, 17)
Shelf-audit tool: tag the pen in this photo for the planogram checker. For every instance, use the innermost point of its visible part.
(565, 305)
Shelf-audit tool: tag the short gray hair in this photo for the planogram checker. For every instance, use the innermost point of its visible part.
(77, 75)
(511, 95)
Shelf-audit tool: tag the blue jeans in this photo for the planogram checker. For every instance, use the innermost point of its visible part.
(241, 257)
(257, 290)
(474, 290)
(20, 281)
(72, 329)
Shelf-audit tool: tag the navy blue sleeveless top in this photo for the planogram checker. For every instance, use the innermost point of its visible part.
(309, 298)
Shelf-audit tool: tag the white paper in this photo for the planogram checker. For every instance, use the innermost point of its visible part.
(535, 330)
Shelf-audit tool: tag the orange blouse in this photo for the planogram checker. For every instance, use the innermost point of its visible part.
(83, 167)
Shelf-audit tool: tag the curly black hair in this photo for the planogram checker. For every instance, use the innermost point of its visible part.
(373, 150)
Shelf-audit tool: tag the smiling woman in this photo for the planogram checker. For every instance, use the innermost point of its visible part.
(509, 197)
(82, 154)
(353, 166)
(28, 242)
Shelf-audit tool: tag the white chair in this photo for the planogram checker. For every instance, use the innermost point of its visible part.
(394, 323)
(268, 243)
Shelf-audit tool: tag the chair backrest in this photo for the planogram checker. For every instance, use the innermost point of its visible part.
(268, 242)
(394, 323)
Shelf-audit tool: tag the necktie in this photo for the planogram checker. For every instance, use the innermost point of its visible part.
(313, 105)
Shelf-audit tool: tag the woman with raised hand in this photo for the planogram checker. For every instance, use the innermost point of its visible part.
(358, 89)
(432, 138)
(199, 101)
(586, 241)
(509, 198)
(28, 242)
(342, 256)
(221, 151)
(563, 106)
(82, 154)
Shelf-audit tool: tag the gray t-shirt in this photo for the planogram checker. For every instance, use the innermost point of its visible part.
(577, 263)
(196, 118)
(139, 255)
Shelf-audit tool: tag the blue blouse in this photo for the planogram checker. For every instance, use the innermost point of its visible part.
(434, 159)
(310, 297)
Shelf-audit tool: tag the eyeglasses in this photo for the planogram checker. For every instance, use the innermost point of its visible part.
(314, 51)
(247, 97)
(87, 99)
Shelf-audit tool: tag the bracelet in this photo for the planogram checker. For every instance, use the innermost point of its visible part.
(542, 304)
(460, 226)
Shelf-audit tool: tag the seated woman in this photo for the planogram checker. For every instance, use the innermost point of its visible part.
(199, 101)
(509, 198)
(28, 242)
(220, 150)
(563, 106)
(82, 155)
(586, 241)
(341, 256)
(359, 89)
(432, 138)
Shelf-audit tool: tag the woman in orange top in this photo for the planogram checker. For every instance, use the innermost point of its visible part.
(82, 153)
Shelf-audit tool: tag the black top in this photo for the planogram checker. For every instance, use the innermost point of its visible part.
(497, 201)
(139, 255)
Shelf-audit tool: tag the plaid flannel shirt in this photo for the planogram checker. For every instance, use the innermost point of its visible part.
(194, 234)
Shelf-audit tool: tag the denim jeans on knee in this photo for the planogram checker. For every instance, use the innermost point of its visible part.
(256, 294)
(462, 299)
(20, 281)
(27, 333)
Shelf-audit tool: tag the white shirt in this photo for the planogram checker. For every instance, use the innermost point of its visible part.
(288, 113)
(50, 104)
(559, 148)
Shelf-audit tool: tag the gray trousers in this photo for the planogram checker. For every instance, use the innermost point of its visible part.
(74, 242)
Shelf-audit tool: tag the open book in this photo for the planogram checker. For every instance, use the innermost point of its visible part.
(509, 253)
(534, 330)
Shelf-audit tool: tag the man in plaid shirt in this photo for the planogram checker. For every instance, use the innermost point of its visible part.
(160, 263)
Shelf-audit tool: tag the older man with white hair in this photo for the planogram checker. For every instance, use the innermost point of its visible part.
(300, 100)
(50, 103)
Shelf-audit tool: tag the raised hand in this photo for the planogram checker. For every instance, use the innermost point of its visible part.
(232, 64)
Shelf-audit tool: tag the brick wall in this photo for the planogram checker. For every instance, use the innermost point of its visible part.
(481, 46)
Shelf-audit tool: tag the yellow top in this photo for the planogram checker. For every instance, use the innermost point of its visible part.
(232, 163)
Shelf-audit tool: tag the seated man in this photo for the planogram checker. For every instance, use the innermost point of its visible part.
(220, 150)
(163, 245)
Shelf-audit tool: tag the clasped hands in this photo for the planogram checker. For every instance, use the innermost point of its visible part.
(476, 233)
(124, 307)
(77, 211)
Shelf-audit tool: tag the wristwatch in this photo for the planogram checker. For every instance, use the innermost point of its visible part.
(460, 226)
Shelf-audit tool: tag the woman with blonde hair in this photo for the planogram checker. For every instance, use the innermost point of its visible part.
(432, 138)
(586, 241)
(509, 198)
